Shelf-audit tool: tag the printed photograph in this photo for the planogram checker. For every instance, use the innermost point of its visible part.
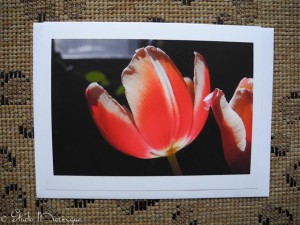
(130, 107)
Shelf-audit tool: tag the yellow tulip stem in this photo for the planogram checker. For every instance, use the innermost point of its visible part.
(174, 164)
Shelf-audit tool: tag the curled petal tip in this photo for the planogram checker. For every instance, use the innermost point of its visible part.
(209, 99)
(92, 86)
(151, 48)
(148, 49)
(248, 80)
(246, 83)
(199, 58)
(92, 92)
(197, 53)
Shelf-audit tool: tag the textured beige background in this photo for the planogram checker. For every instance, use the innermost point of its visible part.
(17, 183)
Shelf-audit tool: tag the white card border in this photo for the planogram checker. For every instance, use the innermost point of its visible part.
(255, 184)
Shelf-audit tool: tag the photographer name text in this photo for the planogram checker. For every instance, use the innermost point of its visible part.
(16, 216)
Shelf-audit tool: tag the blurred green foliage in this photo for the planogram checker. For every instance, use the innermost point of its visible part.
(97, 76)
(120, 90)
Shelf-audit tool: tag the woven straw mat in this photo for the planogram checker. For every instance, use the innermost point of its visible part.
(17, 180)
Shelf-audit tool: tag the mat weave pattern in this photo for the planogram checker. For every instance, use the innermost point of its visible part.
(17, 176)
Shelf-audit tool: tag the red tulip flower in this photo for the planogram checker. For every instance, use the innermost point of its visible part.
(235, 123)
(167, 111)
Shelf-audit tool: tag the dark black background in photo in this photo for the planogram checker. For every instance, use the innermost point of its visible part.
(79, 148)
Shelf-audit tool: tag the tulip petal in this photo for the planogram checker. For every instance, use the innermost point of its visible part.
(158, 98)
(201, 89)
(228, 120)
(246, 83)
(190, 86)
(115, 123)
(242, 102)
(233, 132)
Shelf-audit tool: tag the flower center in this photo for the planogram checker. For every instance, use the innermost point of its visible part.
(169, 151)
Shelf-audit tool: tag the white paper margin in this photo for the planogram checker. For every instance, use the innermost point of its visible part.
(214, 186)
